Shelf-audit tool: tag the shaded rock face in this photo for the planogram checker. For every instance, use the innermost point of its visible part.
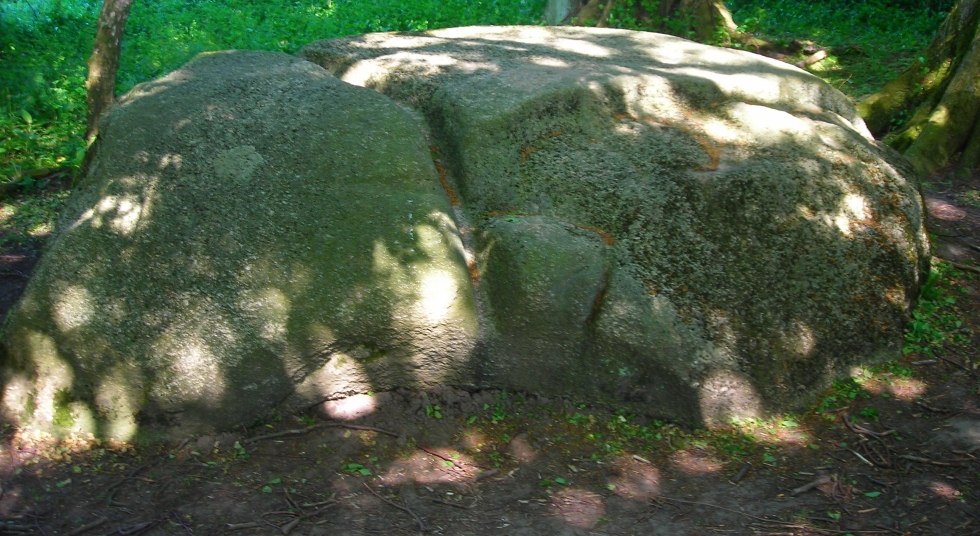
(252, 233)
(749, 239)
(699, 232)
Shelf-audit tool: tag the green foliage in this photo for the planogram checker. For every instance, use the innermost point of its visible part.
(42, 93)
(433, 411)
(357, 469)
(969, 197)
(841, 394)
(870, 41)
(870, 413)
(44, 46)
(935, 322)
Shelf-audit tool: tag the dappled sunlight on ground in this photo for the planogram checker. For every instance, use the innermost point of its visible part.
(432, 466)
(779, 431)
(904, 389)
(521, 450)
(578, 507)
(696, 462)
(945, 490)
(634, 479)
(350, 408)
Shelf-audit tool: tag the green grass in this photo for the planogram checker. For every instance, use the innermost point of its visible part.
(871, 41)
(936, 322)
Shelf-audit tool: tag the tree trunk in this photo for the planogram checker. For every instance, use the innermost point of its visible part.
(703, 20)
(708, 19)
(102, 65)
(560, 11)
(931, 111)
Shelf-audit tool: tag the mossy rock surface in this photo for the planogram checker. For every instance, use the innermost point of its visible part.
(252, 234)
(608, 215)
(760, 240)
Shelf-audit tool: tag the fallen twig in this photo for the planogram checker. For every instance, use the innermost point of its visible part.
(862, 458)
(741, 473)
(398, 506)
(87, 527)
(773, 521)
(243, 526)
(308, 429)
(920, 459)
(860, 430)
(454, 505)
(927, 407)
(134, 530)
(110, 492)
(960, 365)
(816, 57)
(820, 480)
(441, 457)
(486, 474)
(961, 266)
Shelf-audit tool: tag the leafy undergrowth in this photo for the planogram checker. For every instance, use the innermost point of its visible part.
(869, 42)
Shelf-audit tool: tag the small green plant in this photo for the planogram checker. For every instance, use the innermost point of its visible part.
(434, 411)
(969, 197)
(935, 322)
(842, 393)
(267, 488)
(579, 419)
(307, 420)
(240, 451)
(499, 413)
(870, 413)
(357, 469)
(548, 482)
(789, 423)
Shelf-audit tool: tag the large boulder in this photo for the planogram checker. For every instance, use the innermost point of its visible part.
(612, 215)
(252, 232)
(750, 239)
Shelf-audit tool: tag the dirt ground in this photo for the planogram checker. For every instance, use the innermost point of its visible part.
(896, 453)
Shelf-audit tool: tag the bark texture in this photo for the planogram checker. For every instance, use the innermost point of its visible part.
(931, 111)
(708, 17)
(705, 19)
(102, 65)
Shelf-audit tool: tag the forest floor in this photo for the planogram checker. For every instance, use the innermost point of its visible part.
(894, 451)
